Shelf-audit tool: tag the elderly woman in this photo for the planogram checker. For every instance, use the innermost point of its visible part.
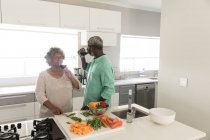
(55, 85)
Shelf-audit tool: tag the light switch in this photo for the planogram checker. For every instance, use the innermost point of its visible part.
(183, 82)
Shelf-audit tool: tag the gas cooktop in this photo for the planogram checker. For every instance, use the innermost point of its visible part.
(45, 129)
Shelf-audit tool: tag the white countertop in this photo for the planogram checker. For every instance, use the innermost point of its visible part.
(143, 128)
(4, 91)
(134, 81)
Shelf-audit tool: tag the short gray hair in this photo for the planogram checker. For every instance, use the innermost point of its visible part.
(96, 41)
(51, 53)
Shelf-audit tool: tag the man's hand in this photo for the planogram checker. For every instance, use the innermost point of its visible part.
(85, 108)
(82, 52)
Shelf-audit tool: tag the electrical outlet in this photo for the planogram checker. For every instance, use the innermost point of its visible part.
(183, 82)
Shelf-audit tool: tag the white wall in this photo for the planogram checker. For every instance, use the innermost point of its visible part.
(185, 52)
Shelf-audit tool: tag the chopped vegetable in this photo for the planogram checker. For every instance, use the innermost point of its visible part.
(71, 114)
(87, 113)
(110, 122)
(76, 119)
(95, 123)
(80, 128)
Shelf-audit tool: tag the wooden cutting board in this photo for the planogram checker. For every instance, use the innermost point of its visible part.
(62, 120)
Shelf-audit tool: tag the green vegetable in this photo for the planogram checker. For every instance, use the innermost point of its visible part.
(95, 123)
(72, 114)
(76, 119)
(87, 113)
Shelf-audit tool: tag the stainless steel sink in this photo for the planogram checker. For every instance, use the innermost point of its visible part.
(123, 114)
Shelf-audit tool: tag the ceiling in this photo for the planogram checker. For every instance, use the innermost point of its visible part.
(149, 5)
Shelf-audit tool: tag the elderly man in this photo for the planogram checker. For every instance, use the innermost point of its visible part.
(100, 80)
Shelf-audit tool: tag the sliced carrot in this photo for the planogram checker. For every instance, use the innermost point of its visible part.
(109, 121)
(80, 128)
(116, 124)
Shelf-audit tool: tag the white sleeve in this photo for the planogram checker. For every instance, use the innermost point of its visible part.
(40, 90)
(80, 85)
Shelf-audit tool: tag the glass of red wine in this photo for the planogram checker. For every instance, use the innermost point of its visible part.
(63, 66)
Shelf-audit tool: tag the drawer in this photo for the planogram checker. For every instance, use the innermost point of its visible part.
(16, 112)
(16, 99)
(123, 98)
(117, 89)
(125, 88)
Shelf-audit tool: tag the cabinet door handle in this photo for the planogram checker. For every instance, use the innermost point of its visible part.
(9, 97)
(12, 106)
(16, 120)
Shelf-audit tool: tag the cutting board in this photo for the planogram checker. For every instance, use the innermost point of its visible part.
(62, 123)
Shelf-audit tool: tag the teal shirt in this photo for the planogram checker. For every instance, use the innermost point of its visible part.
(100, 81)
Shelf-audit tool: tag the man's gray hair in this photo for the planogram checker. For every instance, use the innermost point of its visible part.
(96, 41)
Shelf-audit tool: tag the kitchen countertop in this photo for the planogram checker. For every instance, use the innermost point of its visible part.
(132, 81)
(5, 91)
(143, 128)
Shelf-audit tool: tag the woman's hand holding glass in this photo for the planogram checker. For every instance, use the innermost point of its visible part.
(68, 73)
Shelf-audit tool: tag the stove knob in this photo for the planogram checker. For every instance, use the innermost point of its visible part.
(33, 133)
(19, 125)
(12, 126)
(6, 127)
(14, 129)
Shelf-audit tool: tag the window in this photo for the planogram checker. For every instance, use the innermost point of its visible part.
(139, 53)
(23, 49)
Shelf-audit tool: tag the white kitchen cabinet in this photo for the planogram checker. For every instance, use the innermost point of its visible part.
(72, 16)
(115, 100)
(0, 13)
(105, 20)
(16, 112)
(36, 109)
(77, 103)
(30, 12)
(109, 39)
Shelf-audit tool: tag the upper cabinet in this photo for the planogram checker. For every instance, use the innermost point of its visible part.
(109, 39)
(105, 20)
(52, 14)
(0, 13)
(72, 16)
(30, 12)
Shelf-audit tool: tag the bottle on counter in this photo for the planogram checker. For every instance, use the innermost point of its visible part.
(129, 113)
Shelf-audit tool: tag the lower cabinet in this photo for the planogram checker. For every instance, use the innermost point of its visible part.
(115, 100)
(16, 112)
(77, 103)
(16, 107)
(123, 94)
(36, 109)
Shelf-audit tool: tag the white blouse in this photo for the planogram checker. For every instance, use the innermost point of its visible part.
(57, 91)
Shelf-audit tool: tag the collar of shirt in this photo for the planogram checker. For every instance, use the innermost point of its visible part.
(99, 59)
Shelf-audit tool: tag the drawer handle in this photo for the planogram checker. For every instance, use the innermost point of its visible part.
(9, 97)
(16, 120)
(12, 106)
